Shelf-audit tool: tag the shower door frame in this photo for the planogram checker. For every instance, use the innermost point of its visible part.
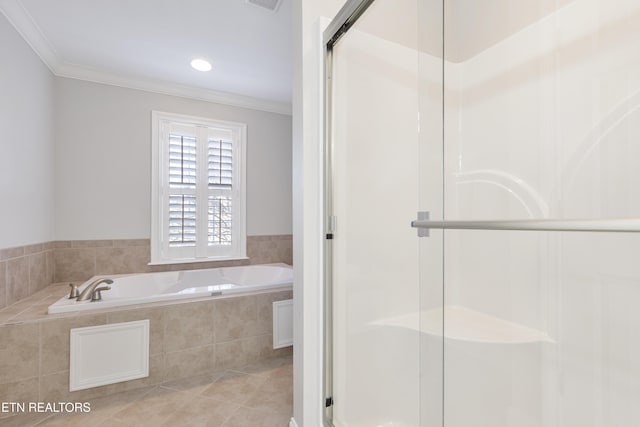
(341, 23)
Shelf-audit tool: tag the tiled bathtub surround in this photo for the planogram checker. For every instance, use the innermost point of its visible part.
(27, 269)
(24, 271)
(78, 260)
(186, 339)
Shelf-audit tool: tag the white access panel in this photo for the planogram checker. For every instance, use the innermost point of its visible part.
(108, 354)
(282, 323)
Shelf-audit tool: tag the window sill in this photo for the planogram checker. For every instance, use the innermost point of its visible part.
(198, 260)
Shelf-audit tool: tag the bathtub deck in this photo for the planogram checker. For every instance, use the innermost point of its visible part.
(259, 394)
(34, 307)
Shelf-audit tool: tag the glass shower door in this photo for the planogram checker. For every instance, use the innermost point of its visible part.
(385, 73)
(510, 130)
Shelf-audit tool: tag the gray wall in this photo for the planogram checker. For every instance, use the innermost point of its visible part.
(26, 143)
(103, 160)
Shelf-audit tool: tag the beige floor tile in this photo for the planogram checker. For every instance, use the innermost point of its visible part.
(196, 384)
(109, 405)
(202, 412)
(23, 420)
(73, 420)
(154, 408)
(101, 409)
(247, 417)
(274, 394)
(268, 367)
(234, 387)
(113, 422)
(262, 398)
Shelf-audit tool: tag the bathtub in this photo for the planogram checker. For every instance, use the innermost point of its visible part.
(172, 285)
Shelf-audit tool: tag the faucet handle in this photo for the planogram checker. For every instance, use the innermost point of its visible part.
(97, 295)
(74, 291)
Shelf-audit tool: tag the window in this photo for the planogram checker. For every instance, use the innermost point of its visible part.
(198, 189)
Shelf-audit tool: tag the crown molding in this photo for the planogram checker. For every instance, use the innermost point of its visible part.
(25, 25)
(78, 72)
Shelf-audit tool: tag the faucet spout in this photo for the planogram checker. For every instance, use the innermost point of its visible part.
(87, 293)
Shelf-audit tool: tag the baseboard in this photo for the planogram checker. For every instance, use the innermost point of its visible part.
(293, 423)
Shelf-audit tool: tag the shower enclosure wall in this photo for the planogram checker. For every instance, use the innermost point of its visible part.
(480, 119)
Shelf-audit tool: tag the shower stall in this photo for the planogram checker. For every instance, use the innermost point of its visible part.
(482, 204)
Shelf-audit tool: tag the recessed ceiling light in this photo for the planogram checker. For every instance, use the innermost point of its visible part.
(201, 65)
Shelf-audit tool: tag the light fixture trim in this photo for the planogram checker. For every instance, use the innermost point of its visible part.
(201, 64)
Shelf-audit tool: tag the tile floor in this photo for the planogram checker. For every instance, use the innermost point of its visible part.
(256, 395)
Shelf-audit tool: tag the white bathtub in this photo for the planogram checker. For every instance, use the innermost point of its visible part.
(171, 285)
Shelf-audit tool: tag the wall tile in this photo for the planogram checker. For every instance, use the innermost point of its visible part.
(270, 249)
(19, 352)
(259, 347)
(55, 340)
(25, 390)
(156, 318)
(61, 244)
(196, 266)
(17, 279)
(265, 309)
(189, 325)
(37, 272)
(74, 264)
(9, 253)
(156, 376)
(34, 249)
(51, 267)
(190, 362)
(229, 355)
(55, 387)
(91, 243)
(237, 353)
(131, 242)
(235, 318)
(133, 259)
(3, 285)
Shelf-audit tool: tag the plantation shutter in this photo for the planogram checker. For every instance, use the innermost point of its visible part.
(220, 184)
(200, 190)
(182, 204)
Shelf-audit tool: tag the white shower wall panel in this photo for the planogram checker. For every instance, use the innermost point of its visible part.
(547, 126)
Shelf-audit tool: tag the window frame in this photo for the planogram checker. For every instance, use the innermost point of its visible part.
(201, 252)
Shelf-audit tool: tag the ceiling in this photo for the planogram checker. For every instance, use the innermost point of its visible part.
(148, 44)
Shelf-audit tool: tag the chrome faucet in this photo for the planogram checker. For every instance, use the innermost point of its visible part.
(93, 294)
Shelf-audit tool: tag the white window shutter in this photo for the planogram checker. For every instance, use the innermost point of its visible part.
(199, 194)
